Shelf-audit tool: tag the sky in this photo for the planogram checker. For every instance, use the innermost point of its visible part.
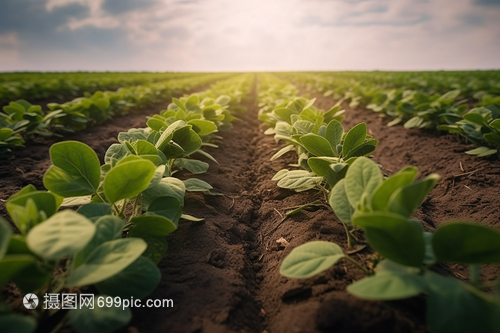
(249, 35)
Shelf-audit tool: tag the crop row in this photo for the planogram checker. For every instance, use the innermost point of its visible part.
(424, 108)
(133, 194)
(333, 161)
(21, 120)
(36, 86)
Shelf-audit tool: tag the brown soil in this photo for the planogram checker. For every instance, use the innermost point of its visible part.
(223, 273)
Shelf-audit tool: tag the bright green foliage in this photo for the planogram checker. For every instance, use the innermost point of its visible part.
(323, 147)
(21, 120)
(74, 171)
(431, 100)
(310, 259)
(132, 194)
(383, 209)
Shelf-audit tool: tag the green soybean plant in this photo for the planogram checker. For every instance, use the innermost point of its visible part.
(21, 120)
(87, 246)
(10, 138)
(131, 185)
(382, 208)
(481, 126)
(327, 156)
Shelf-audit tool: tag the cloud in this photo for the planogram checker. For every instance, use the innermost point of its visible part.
(488, 2)
(123, 6)
(215, 35)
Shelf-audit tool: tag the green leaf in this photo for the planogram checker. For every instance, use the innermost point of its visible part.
(355, 137)
(31, 278)
(194, 166)
(334, 134)
(30, 208)
(155, 225)
(197, 185)
(361, 150)
(64, 234)
(203, 127)
(482, 151)
(454, 306)
(97, 319)
(327, 167)
(316, 145)
(340, 204)
(156, 124)
(107, 228)
(191, 218)
(137, 280)
(93, 211)
(166, 206)
(387, 286)
(128, 179)
(5, 133)
(75, 170)
(310, 259)
(298, 180)
(106, 260)
(405, 200)
(467, 243)
(393, 237)
(115, 153)
(188, 139)
(414, 122)
(168, 186)
(5, 233)
(383, 193)
(76, 201)
(12, 264)
(157, 245)
(362, 178)
(143, 147)
(283, 151)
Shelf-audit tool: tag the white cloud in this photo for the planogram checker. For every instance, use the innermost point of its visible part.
(216, 35)
(9, 49)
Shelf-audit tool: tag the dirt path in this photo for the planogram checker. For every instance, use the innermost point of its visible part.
(223, 273)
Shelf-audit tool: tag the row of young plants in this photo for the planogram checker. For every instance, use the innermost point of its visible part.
(36, 86)
(127, 206)
(449, 111)
(382, 208)
(21, 121)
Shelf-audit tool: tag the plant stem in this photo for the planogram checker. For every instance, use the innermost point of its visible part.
(367, 272)
(351, 239)
(474, 274)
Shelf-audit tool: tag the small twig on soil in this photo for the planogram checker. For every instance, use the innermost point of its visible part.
(466, 173)
(467, 187)
(461, 167)
(277, 211)
(232, 203)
